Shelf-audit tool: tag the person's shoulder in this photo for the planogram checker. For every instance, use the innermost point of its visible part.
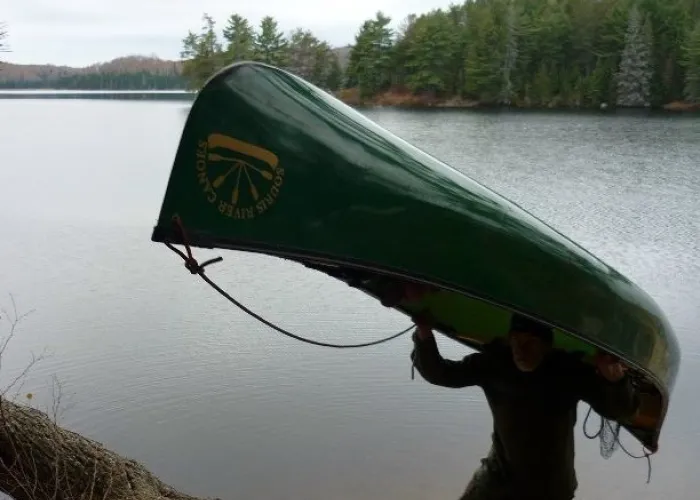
(568, 362)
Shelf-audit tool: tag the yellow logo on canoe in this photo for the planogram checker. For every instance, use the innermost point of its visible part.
(243, 180)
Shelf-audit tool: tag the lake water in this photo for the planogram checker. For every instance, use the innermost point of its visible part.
(158, 367)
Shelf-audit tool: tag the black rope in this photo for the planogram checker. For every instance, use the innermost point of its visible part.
(616, 434)
(195, 268)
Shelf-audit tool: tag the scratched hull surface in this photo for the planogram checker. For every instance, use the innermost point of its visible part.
(269, 163)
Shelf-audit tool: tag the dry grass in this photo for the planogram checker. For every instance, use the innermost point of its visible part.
(682, 106)
(402, 98)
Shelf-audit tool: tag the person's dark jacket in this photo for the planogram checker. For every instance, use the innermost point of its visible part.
(533, 413)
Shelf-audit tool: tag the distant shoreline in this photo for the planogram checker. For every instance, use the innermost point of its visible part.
(93, 91)
(390, 100)
(62, 94)
(407, 100)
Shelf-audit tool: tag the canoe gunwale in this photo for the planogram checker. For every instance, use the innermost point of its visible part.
(164, 234)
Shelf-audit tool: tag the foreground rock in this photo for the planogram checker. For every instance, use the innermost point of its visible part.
(39, 460)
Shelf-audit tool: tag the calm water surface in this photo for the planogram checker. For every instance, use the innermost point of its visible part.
(158, 367)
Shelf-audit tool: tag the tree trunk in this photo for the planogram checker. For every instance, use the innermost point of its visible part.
(39, 460)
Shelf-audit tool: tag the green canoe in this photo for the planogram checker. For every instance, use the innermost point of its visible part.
(270, 163)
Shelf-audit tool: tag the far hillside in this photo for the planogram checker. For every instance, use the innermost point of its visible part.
(134, 72)
(123, 73)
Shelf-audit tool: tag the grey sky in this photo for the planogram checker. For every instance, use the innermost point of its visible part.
(82, 32)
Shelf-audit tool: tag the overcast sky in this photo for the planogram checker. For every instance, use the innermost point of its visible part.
(82, 32)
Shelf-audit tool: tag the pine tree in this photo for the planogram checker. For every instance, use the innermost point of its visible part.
(428, 54)
(597, 85)
(240, 36)
(542, 93)
(511, 56)
(457, 27)
(691, 62)
(371, 57)
(485, 53)
(334, 78)
(303, 52)
(323, 64)
(635, 71)
(270, 45)
(202, 53)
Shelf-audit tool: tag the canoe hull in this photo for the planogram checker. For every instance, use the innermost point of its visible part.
(269, 163)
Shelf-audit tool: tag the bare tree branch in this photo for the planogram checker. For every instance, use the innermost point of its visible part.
(3, 36)
(14, 319)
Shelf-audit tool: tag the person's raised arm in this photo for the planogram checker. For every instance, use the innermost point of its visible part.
(444, 372)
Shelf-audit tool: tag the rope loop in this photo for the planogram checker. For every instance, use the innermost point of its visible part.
(195, 268)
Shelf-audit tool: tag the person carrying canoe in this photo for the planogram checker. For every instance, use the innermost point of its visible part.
(533, 391)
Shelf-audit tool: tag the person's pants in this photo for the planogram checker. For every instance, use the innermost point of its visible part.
(487, 484)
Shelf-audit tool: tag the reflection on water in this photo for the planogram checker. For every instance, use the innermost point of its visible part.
(162, 369)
